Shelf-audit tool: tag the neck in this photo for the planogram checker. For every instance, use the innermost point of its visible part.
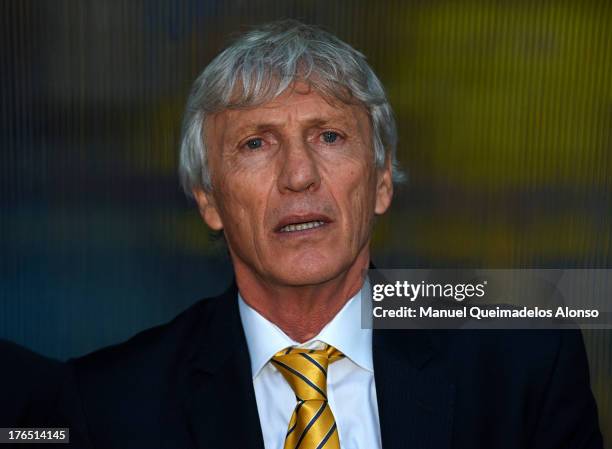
(302, 311)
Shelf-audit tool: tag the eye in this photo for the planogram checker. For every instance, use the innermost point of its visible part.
(254, 144)
(330, 136)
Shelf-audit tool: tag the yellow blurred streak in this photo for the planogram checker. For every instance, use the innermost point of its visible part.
(514, 95)
(560, 237)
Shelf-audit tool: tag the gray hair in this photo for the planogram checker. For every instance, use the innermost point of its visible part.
(260, 66)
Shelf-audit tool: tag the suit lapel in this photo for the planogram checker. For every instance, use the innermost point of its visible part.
(415, 399)
(219, 403)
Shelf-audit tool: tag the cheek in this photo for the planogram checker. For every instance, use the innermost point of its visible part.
(362, 207)
(360, 195)
(243, 208)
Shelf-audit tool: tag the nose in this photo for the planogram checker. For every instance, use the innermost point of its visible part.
(299, 171)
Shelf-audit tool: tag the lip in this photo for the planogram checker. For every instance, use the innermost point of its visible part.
(295, 219)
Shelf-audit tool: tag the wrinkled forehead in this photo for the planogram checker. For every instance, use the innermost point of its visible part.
(251, 93)
(299, 92)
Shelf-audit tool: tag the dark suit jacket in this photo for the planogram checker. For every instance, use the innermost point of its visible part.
(188, 384)
(29, 387)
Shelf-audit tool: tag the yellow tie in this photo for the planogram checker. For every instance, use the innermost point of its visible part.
(312, 424)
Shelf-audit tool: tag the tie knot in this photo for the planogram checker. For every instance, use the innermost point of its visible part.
(306, 370)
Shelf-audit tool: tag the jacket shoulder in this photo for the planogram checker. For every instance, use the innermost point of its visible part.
(152, 352)
(30, 383)
(116, 393)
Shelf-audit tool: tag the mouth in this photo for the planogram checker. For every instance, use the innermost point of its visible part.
(301, 226)
(298, 224)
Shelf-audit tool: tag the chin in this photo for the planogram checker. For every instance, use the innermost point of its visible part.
(309, 271)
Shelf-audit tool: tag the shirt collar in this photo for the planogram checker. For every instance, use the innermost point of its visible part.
(344, 332)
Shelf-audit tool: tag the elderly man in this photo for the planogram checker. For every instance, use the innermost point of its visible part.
(289, 150)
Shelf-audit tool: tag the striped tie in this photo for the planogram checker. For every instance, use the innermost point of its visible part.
(312, 424)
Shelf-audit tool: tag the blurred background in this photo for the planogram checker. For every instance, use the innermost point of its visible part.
(504, 111)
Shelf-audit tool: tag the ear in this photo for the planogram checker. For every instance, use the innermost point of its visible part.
(384, 188)
(208, 208)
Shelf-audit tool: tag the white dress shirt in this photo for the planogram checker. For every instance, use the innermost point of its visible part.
(350, 381)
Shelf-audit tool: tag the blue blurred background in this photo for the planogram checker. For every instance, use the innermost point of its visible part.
(504, 112)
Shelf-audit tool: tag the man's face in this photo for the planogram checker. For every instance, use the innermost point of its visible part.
(295, 188)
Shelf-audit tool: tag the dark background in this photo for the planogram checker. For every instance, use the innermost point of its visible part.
(504, 111)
